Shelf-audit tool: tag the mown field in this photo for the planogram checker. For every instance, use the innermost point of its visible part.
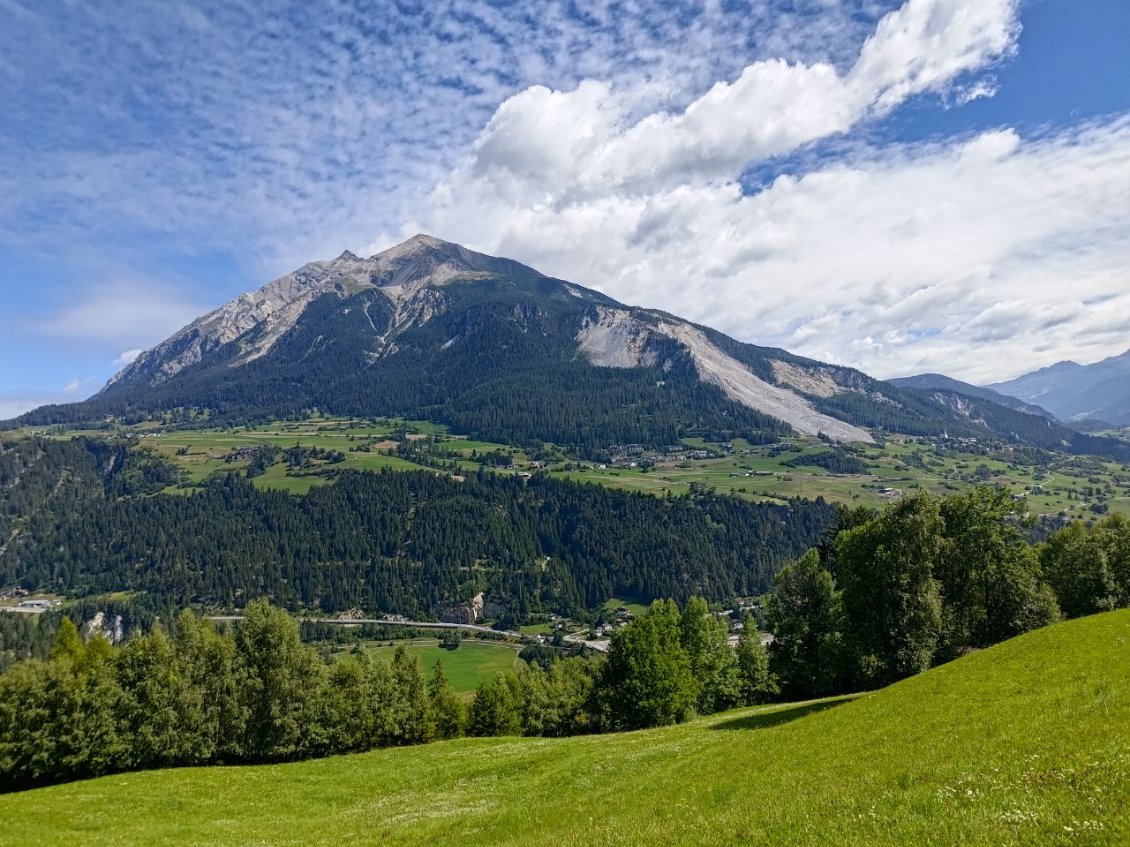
(465, 667)
(1070, 485)
(1026, 743)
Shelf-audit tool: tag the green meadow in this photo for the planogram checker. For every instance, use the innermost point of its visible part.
(1025, 743)
(465, 667)
(1069, 485)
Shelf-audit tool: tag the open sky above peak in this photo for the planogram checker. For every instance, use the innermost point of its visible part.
(929, 185)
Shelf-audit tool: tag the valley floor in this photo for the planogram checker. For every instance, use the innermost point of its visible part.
(1027, 743)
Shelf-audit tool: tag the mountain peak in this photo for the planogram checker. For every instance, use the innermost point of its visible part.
(418, 244)
(425, 260)
(423, 239)
(402, 272)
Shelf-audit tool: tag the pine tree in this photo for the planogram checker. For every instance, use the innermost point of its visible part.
(68, 643)
(413, 712)
(497, 708)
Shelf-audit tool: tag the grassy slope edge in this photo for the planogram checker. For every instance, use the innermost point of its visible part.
(1025, 743)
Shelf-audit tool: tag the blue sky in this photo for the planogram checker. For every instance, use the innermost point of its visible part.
(928, 185)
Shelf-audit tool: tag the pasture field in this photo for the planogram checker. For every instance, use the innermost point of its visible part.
(1069, 485)
(1025, 743)
(632, 605)
(474, 661)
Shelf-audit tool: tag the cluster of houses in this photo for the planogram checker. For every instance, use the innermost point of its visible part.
(635, 455)
(621, 617)
(34, 605)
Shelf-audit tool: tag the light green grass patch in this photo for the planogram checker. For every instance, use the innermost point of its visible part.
(473, 662)
(634, 606)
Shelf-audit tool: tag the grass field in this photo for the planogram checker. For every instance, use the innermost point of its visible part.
(1027, 743)
(1069, 485)
(205, 452)
(465, 667)
(636, 607)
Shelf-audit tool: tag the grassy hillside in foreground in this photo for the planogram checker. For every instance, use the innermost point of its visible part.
(1027, 743)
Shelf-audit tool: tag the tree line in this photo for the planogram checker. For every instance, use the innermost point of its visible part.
(199, 696)
(927, 580)
(883, 597)
(257, 693)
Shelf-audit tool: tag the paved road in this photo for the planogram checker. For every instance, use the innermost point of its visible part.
(389, 622)
(578, 638)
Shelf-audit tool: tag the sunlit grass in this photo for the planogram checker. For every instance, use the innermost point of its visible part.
(465, 667)
(1027, 743)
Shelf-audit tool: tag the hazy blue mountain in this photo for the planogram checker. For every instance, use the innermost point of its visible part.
(941, 382)
(1074, 392)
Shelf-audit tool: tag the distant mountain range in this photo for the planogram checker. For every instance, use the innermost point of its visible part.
(1074, 392)
(432, 330)
(940, 382)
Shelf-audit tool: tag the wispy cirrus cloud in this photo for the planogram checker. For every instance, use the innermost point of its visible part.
(142, 312)
(293, 130)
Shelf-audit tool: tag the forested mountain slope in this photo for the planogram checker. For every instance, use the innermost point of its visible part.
(1021, 427)
(940, 382)
(405, 542)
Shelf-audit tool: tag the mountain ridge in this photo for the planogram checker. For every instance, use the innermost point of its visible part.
(430, 330)
(401, 271)
(1075, 392)
(941, 382)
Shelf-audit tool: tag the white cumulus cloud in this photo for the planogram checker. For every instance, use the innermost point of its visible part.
(558, 147)
(973, 256)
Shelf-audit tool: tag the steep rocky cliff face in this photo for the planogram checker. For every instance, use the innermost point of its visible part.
(403, 274)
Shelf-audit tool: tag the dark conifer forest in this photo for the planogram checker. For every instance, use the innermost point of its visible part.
(82, 519)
